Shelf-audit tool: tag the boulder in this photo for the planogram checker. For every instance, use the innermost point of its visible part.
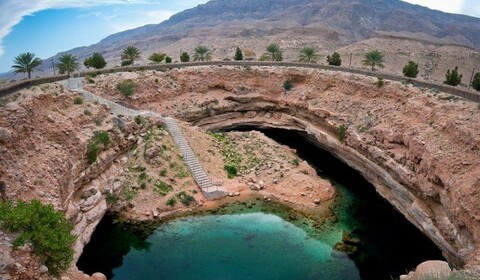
(98, 276)
(5, 135)
(439, 269)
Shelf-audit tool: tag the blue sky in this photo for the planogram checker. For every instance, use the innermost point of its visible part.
(47, 27)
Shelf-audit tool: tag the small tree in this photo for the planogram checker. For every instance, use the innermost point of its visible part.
(202, 53)
(335, 59)
(238, 54)
(185, 57)
(374, 58)
(453, 78)
(26, 63)
(96, 61)
(129, 55)
(68, 64)
(476, 82)
(273, 53)
(249, 54)
(157, 57)
(47, 230)
(308, 55)
(411, 70)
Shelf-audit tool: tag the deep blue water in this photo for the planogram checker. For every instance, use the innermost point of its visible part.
(264, 241)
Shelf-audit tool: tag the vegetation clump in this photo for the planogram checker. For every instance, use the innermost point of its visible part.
(93, 148)
(231, 171)
(287, 85)
(374, 58)
(96, 61)
(185, 57)
(334, 60)
(171, 202)
(162, 188)
(127, 88)
(157, 57)
(411, 69)
(238, 54)
(26, 63)
(68, 64)
(47, 230)
(129, 55)
(308, 55)
(274, 53)
(453, 78)
(185, 198)
(342, 132)
(78, 100)
(202, 53)
(380, 83)
(476, 82)
(168, 59)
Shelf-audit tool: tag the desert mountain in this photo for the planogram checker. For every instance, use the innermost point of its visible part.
(403, 31)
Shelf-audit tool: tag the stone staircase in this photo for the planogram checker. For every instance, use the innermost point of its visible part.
(209, 189)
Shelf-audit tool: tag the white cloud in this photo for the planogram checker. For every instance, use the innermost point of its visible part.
(449, 6)
(13, 11)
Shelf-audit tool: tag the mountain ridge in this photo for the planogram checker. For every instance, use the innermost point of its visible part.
(330, 25)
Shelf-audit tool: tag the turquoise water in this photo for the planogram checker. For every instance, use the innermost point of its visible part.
(240, 246)
(258, 240)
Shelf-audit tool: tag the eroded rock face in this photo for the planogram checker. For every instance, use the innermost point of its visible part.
(419, 148)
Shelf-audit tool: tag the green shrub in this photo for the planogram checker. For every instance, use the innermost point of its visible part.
(476, 82)
(184, 57)
(78, 100)
(91, 81)
(287, 85)
(96, 61)
(172, 202)
(111, 198)
(380, 83)
(296, 162)
(102, 137)
(342, 132)
(162, 188)
(453, 78)
(87, 112)
(410, 70)
(163, 172)
(231, 171)
(335, 59)
(168, 59)
(92, 152)
(127, 87)
(185, 198)
(47, 230)
(238, 54)
(142, 177)
(139, 120)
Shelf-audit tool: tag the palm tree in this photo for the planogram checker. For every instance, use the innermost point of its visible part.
(68, 64)
(202, 53)
(25, 63)
(374, 58)
(130, 54)
(309, 55)
(274, 52)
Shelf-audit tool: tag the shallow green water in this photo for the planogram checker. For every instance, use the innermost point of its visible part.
(259, 240)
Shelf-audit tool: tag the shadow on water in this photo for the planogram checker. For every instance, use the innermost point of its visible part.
(389, 247)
